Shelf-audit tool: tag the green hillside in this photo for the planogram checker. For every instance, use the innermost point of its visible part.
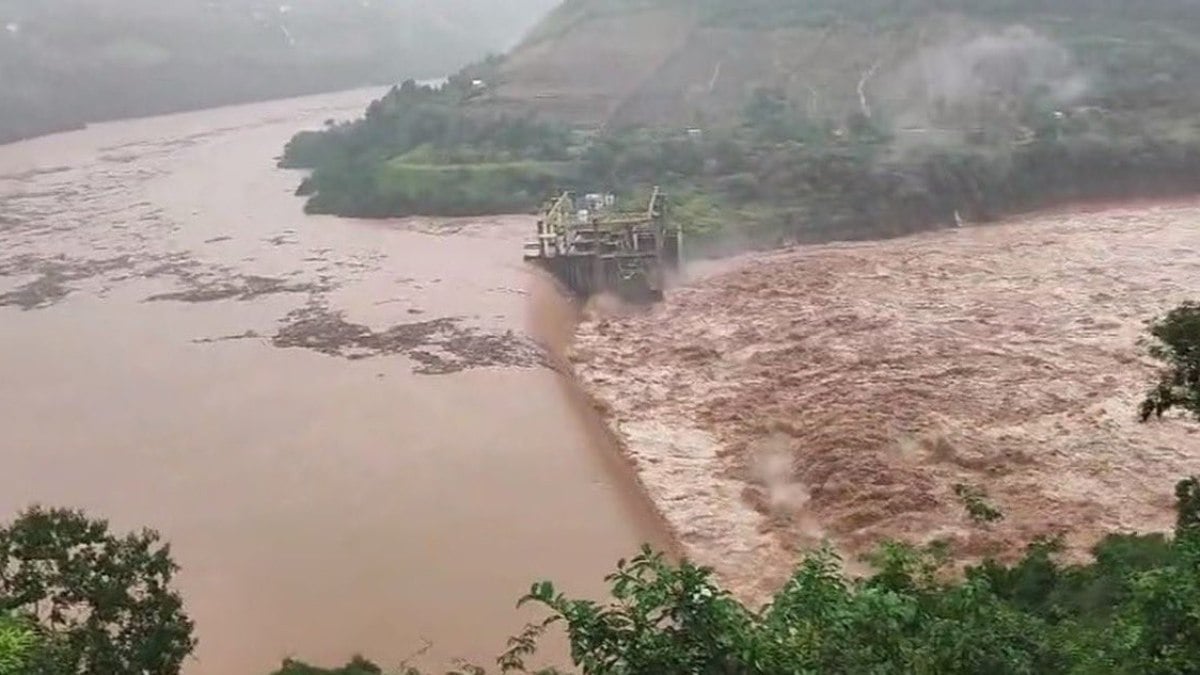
(786, 119)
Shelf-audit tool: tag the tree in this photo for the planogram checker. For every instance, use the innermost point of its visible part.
(360, 666)
(105, 602)
(1176, 342)
(356, 666)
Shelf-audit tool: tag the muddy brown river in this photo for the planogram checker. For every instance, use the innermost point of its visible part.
(350, 431)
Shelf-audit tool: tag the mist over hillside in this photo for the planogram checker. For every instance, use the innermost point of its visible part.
(69, 62)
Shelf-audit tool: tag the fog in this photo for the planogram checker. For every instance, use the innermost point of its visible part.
(69, 62)
(983, 79)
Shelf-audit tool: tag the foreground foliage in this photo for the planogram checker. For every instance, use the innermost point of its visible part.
(1176, 343)
(83, 600)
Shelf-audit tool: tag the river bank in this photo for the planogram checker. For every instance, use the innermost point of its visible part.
(838, 392)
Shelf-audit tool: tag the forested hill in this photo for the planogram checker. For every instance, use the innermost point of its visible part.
(68, 62)
(778, 120)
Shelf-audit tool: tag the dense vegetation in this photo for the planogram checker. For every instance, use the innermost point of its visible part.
(1089, 103)
(69, 62)
(419, 150)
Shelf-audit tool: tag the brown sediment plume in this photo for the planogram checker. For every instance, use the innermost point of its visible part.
(839, 392)
(278, 412)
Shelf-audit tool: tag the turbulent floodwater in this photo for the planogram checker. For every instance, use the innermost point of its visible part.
(839, 392)
(349, 430)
